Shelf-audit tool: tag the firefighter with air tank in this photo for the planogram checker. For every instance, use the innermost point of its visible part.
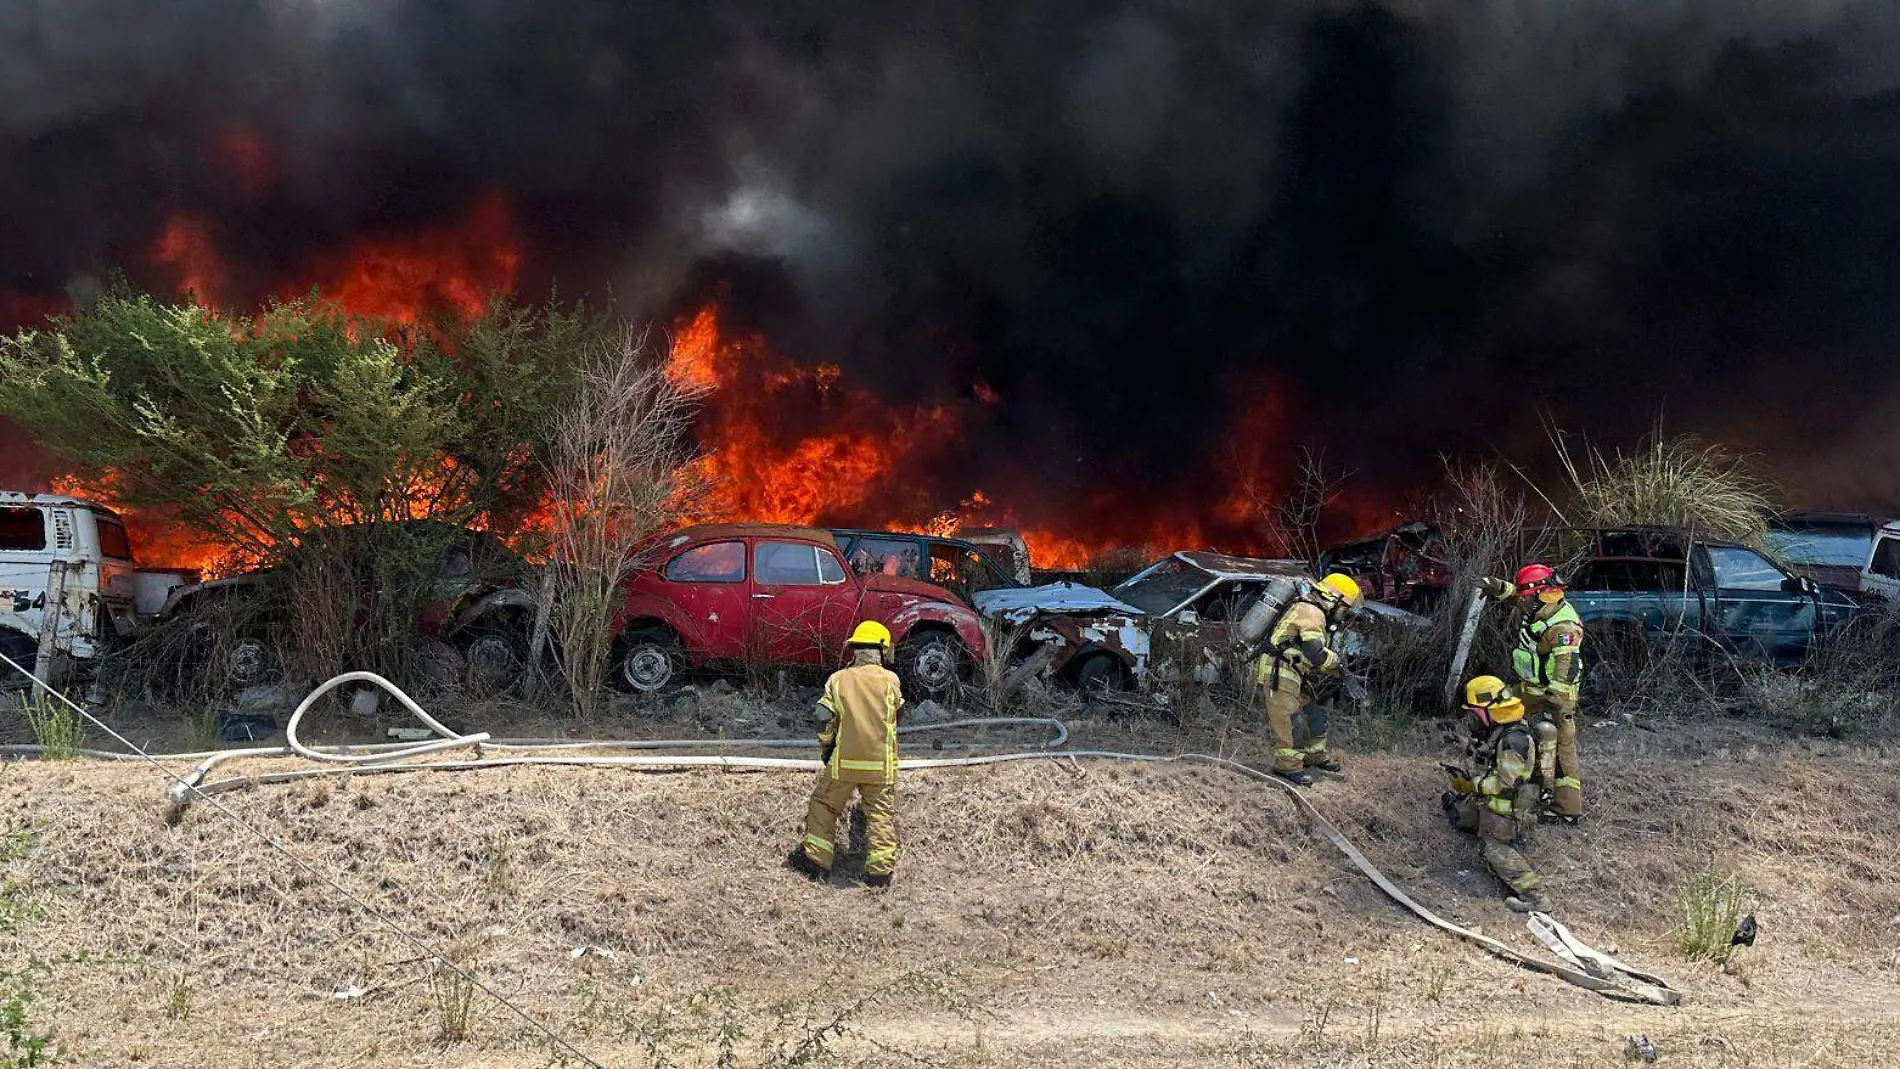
(1512, 762)
(1301, 647)
(1547, 666)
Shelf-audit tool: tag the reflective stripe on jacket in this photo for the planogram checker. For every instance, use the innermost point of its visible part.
(1548, 649)
(1302, 622)
(863, 700)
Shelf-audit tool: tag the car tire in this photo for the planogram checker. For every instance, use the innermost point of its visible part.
(1099, 673)
(250, 661)
(646, 662)
(495, 654)
(930, 664)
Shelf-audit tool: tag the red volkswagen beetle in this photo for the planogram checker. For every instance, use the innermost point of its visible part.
(724, 595)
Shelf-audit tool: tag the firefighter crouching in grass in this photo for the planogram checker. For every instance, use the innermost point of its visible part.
(1547, 661)
(859, 748)
(1300, 648)
(1497, 799)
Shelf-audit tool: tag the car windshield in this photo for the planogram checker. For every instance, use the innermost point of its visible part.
(1163, 586)
(1838, 548)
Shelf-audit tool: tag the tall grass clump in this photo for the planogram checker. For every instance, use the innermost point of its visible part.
(56, 728)
(1668, 482)
(1708, 909)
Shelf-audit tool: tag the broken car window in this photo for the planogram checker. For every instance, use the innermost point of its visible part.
(22, 529)
(112, 540)
(1743, 569)
(785, 564)
(829, 570)
(1887, 558)
(716, 562)
(885, 556)
(1628, 575)
(1163, 586)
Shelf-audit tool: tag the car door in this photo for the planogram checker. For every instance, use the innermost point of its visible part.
(803, 605)
(707, 584)
(1764, 612)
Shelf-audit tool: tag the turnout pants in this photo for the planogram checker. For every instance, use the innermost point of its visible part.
(1499, 837)
(1560, 711)
(1299, 729)
(828, 799)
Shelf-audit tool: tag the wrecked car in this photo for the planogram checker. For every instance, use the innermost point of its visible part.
(1173, 621)
(1404, 566)
(75, 555)
(727, 596)
(1639, 587)
(1831, 548)
(961, 567)
(477, 607)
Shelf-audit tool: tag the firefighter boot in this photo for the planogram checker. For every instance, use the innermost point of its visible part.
(877, 881)
(800, 862)
(1531, 901)
(1297, 777)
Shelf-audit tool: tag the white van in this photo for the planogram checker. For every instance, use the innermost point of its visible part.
(1881, 577)
(73, 556)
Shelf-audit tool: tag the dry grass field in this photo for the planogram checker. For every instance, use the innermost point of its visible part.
(1045, 914)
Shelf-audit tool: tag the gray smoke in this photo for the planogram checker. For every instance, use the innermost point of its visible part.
(1431, 224)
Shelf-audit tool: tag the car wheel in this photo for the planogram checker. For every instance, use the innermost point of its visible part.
(648, 661)
(249, 661)
(1099, 674)
(930, 664)
(496, 654)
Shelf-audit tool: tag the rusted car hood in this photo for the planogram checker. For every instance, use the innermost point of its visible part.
(1020, 604)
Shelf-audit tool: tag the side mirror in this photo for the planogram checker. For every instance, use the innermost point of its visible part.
(1800, 584)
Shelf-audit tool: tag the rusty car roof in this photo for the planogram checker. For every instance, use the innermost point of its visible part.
(706, 531)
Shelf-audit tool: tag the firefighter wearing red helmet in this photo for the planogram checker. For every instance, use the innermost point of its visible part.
(1548, 666)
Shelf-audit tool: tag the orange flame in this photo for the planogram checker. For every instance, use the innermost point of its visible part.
(186, 247)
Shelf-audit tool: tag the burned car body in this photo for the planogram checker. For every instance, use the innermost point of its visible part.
(1404, 566)
(1174, 621)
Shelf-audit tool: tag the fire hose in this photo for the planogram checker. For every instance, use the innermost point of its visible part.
(1582, 965)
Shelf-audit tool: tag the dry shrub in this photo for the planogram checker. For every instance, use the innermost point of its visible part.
(1483, 519)
(1847, 686)
(616, 460)
(1292, 520)
(1667, 482)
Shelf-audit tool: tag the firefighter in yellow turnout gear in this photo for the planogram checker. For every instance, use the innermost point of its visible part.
(1512, 760)
(1547, 663)
(1299, 649)
(859, 748)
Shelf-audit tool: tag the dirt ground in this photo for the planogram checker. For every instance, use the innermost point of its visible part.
(1045, 914)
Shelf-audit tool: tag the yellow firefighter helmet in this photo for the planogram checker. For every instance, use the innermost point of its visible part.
(872, 634)
(1490, 695)
(1344, 585)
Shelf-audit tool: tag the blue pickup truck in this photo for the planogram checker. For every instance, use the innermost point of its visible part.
(1659, 583)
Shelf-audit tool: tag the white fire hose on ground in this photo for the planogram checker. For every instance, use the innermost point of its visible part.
(1583, 966)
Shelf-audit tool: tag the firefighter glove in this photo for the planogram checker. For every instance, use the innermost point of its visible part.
(1497, 588)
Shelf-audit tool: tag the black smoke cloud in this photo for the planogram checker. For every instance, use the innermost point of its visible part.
(1430, 226)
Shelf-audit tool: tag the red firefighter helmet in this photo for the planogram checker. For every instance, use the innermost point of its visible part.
(1537, 578)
